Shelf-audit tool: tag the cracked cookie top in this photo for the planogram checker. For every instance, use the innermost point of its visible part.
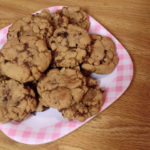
(59, 20)
(32, 25)
(76, 16)
(103, 58)
(24, 59)
(16, 100)
(69, 46)
(70, 15)
(62, 88)
(89, 105)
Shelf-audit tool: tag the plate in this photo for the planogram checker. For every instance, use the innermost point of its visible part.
(48, 126)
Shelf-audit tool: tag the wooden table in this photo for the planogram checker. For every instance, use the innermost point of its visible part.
(126, 124)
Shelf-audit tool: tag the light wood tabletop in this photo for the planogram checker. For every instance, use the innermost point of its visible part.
(125, 125)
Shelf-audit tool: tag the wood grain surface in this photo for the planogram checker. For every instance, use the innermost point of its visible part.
(126, 124)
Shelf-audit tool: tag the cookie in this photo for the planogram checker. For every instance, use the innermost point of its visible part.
(59, 20)
(76, 16)
(62, 88)
(24, 59)
(90, 105)
(69, 46)
(103, 58)
(32, 25)
(16, 101)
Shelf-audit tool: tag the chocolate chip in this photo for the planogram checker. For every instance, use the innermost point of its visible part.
(16, 59)
(6, 61)
(26, 64)
(93, 41)
(59, 34)
(18, 34)
(105, 51)
(102, 61)
(80, 33)
(5, 99)
(64, 34)
(17, 103)
(85, 72)
(26, 46)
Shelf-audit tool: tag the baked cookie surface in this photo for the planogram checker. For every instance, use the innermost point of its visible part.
(76, 16)
(103, 58)
(16, 101)
(89, 105)
(69, 46)
(24, 59)
(61, 88)
(70, 15)
(32, 25)
(59, 20)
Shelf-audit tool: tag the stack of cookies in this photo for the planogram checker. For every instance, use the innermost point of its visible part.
(47, 62)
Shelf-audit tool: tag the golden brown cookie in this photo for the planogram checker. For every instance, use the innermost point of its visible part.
(62, 88)
(69, 46)
(76, 16)
(24, 59)
(59, 20)
(32, 25)
(16, 101)
(103, 58)
(89, 105)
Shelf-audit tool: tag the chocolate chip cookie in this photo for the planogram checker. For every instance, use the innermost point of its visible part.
(62, 88)
(69, 46)
(89, 105)
(103, 58)
(32, 25)
(24, 59)
(16, 101)
(76, 16)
